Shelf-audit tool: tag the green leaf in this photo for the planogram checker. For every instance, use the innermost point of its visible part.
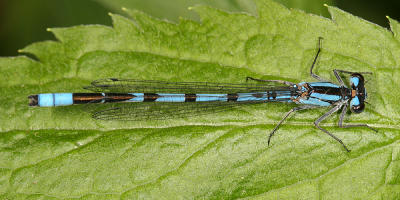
(61, 153)
(175, 9)
(312, 6)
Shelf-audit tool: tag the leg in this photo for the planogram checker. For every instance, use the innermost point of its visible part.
(303, 107)
(348, 72)
(315, 60)
(335, 71)
(316, 123)
(275, 81)
(340, 124)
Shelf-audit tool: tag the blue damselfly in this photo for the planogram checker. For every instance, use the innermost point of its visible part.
(161, 99)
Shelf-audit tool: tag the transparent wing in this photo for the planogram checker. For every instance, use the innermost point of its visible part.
(162, 110)
(113, 85)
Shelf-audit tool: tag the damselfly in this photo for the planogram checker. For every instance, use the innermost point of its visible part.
(160, 99)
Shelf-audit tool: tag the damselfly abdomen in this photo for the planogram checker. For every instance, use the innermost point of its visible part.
(152, 100)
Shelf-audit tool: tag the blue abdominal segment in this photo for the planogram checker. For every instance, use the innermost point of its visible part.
(139, 97)
(262, 96)
(211, 97)
(55, 99)
(170, 97)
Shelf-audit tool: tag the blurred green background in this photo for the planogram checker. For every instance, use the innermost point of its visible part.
(25, 21)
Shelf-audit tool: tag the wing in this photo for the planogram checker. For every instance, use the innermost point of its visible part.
(113, 85)
(160, 110)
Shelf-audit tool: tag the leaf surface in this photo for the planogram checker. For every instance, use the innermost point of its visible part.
(61, 153)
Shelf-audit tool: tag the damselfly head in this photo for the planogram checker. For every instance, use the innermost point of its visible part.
(358, 93)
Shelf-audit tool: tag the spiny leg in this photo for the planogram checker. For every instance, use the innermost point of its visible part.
(311, 70)
(348, 72)
(340, 124)
(316, 123)
(275, 81)
(315, 61)
(303, 107)
(335, 71)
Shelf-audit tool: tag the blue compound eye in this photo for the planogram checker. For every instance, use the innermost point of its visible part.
(355, 81)
(356, 106)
